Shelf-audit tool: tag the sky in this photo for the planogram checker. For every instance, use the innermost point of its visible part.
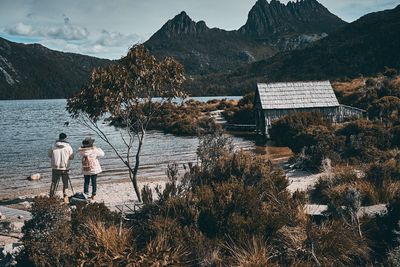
(108, 28)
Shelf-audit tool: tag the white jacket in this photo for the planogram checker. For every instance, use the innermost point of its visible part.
(61, 154)
(93, 153)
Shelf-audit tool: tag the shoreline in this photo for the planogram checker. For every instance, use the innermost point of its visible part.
(122, 185)
(114, 192)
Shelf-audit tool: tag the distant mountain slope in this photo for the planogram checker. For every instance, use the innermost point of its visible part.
(364, 47)
(33, 71)
(270, 28)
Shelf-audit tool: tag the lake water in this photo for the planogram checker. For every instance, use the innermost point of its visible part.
(28, 128)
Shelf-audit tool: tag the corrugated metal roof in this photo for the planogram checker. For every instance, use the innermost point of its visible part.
(297, 95)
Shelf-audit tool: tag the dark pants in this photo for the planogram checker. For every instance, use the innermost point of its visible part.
(89, 178)
(55, 180)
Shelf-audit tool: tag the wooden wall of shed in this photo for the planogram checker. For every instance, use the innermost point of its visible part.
(265, 118)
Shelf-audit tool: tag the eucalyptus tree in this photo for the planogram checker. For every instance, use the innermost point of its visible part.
(126, 92)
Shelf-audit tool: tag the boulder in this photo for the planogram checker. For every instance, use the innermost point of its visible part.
(34, 177)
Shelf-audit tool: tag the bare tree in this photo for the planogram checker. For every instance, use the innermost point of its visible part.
(126, 91)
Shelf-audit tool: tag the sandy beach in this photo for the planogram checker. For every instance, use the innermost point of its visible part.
(109, 192)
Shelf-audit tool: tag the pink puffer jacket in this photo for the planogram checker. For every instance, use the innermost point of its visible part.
(91, 155)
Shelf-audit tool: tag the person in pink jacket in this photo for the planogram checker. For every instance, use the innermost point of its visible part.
(90, 164)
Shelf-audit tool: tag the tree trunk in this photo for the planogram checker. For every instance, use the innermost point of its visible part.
(135, 170)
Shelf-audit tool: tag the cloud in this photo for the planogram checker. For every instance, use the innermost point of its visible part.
(21, 29)
(104, 44)
(65, 31)
(70, 37)
(116, 38)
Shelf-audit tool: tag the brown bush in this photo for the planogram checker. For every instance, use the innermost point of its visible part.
(251, 253)
(338, 244)
(242, 113)
(48, 231)
(290, 130)
(160, 253)
(106, 246)
(369, 195)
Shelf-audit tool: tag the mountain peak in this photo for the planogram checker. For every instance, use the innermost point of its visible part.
(182, 14)
(182, 24)
(267, 19)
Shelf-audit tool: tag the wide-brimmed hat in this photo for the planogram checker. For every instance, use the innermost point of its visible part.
(87, 142)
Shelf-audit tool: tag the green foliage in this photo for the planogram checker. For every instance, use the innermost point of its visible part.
(386, 109)
(334, 190)
(48, 231)
(373, 94)
(189, 118)
(96, 212)
(359, 141)
(395, 132)
(290, 130)
(383, 233)
(338, 244)
(377, 183)
(117, 89)
(243, 112)
(390, 72)
(213, 147)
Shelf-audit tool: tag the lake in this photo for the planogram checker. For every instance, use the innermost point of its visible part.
(28, 128)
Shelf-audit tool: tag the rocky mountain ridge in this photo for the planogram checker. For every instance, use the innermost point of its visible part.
(268, 20)
(362, 48)
(271, 28)
(182, 24)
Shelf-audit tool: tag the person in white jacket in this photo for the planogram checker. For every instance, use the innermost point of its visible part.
(90, 164)
(61, 154)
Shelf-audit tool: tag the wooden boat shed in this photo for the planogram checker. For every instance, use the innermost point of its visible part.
(276, 100)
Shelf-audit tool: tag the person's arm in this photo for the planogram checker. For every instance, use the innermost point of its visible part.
(99, 152)
(71, 156)
(50, 152)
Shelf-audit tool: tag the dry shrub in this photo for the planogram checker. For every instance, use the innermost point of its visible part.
(396, 82)
(243, 112)
(48, 231)
(92, 212)
(252, 253)
(197, 247)
(212, 258)
(289, 243)
(369, 195)
(337, 244)
(331, 190)
(390, 191)
(159, 252)
(345, 88)
(107, 245)
(345, 174)
(394, 257)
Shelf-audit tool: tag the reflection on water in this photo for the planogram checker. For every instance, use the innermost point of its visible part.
(28, 128)
(266, 148)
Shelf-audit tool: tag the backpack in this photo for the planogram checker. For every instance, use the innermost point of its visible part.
(78, 198)
(87, 163)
